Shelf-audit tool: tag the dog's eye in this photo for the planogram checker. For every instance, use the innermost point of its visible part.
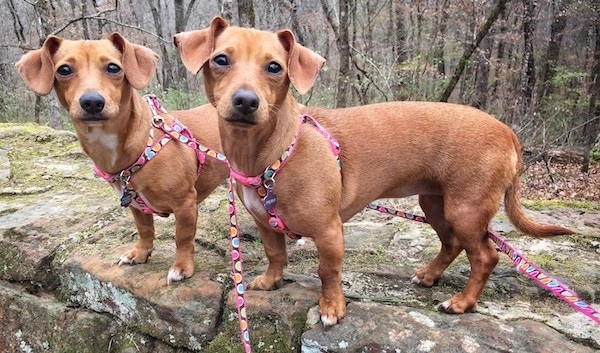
(221, 60)
(64, 71)
(274, 68)
(113, 69)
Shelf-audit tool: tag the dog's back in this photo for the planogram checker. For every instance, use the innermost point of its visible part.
(432, 147)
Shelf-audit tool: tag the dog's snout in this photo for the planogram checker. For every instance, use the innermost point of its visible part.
(245, 101)
(92, 103)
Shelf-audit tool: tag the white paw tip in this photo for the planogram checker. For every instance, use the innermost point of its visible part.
(328, 322)
(445, 305)
(415, 280)
(124, 260)
(174, 276)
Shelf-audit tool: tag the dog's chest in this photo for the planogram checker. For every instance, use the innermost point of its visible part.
(98, 136)
(104, 141)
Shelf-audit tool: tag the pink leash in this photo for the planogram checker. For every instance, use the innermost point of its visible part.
(522, 264)
(236, 269)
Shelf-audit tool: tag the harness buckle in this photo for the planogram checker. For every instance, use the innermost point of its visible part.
(126, 193)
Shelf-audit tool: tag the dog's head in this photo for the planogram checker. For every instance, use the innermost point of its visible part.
(247, 72)
(91, 77)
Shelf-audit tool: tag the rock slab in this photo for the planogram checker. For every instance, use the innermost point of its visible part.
(61, 232)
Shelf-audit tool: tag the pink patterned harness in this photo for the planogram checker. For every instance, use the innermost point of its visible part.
(174, 130)
(265, 183)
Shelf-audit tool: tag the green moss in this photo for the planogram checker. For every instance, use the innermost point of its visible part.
(364, 260)
(223, 344)
(540, 205)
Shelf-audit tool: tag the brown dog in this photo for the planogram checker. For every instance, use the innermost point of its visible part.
(97, 82)
(459, 160)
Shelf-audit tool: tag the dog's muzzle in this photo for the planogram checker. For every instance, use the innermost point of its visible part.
(245, 104)
(93, 105)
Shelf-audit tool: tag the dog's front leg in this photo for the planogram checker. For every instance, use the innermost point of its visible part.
(145, 244)
(186, 216)
(276, 251)
(330, 245)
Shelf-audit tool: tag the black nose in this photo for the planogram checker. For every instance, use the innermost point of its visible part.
(245, 102)
(92, 103)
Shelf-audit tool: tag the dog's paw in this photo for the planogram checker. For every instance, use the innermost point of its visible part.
(458, 304)
(125, 260)
(134, 257)
(332, 313)
(264, 282)
(415, 279)
(425, 278)
(177, 273)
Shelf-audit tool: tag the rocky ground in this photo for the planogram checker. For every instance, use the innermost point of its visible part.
(61, 232)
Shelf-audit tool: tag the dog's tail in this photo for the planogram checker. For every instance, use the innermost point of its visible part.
(515, 211)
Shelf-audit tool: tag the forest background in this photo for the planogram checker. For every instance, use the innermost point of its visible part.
(534, 64)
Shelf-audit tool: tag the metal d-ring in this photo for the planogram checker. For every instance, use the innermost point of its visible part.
(269, 183)
(158, 121)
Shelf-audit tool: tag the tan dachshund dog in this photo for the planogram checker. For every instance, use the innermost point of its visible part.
(97, 82)
(459, 160)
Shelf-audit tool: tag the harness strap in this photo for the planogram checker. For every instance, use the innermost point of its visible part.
(174, 130)
(128, 193)
(265, 183)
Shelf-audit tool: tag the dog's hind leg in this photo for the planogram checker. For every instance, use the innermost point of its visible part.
(276, 251)
(433, 206)
(469, 221)
(145, 244)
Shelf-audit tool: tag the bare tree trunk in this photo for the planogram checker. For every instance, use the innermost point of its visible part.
(500, 52)
(55, 117)
(399, 47)
(246, 16)
(549, 62)
(45, 14)
(182, 17)
(592, 126)
(17, 25)
(528, 65)
(344, 49)
(471, 48)
(340, 27)
(167, 75)
(296, 22)
(226, 9)
(482, 78)
(84, 22)
(438, 50)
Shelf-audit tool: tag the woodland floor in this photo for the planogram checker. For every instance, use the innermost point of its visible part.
(562, 180)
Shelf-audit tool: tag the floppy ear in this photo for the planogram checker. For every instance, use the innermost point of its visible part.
(139, 62)
(303, 63)
(37, 68)
(195, 46)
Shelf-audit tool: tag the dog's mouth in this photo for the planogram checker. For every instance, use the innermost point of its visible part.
(93, 118)
(242, 120)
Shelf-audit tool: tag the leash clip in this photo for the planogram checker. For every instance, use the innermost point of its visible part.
(269, 200)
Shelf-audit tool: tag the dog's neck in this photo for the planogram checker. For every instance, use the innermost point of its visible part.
(117, 144)
(251, 151)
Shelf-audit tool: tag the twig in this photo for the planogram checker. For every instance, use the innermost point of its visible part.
(87, 17)
(547, 163)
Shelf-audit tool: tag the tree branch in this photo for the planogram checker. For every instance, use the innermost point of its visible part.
(99, 16)
(471, 48)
